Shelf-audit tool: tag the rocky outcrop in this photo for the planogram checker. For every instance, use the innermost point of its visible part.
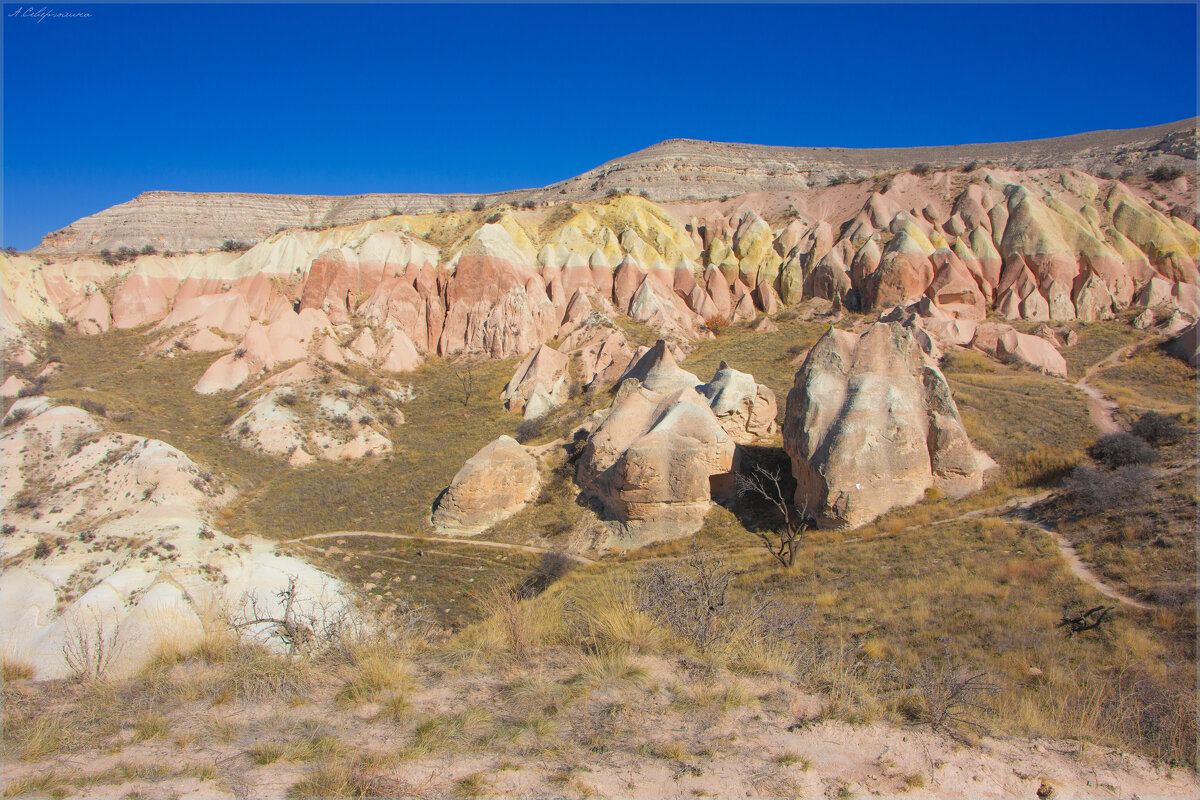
(143, 565)
(871, 424)
(654, 463)
(492, 485)
(1032, 351)
(745, 409)
(540, 383)
(665, 449)
(1186, 346)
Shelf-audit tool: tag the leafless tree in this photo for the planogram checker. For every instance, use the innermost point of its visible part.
(465, 374)
(782, 543)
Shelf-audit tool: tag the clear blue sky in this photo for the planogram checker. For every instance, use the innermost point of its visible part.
(394, 98)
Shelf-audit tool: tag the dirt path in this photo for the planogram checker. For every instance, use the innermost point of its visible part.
(1102, 410)
(435, 540)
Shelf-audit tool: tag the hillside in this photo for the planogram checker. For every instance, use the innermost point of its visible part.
(675, 170)
(880, 485)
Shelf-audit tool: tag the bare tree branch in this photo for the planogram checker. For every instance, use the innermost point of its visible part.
(782, 543)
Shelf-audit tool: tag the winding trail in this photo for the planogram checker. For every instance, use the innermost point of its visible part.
(435, 540)
(1102, 410)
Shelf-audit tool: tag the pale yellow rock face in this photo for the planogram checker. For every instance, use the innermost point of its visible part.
(492, 485)
(870, 425)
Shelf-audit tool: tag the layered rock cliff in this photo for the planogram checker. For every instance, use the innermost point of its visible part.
(671, 171)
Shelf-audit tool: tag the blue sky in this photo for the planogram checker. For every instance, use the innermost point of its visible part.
(378, 98)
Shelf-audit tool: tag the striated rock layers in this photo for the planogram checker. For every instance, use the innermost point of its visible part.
(871, 424)
(668, 171)
(492, 485)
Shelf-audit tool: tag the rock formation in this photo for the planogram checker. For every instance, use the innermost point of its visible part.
(665, 448)
(186, 221)
(492, 485)
(870, 425)
(142, 564)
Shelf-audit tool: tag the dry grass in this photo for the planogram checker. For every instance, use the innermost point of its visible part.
(1150, 380)
(1004, 410)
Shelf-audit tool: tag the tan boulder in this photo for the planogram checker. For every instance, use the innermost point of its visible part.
(654, 463)
(658, 371)
(870, 425)
(1186, 346)
(492, 485)
(745, 409)
(1032, 351)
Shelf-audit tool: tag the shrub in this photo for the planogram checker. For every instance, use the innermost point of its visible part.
(16, 415)
(689, 599)
(969, 167)
(149, 250)
(612, 193)
(43, 550)
(479, 205)
(1095, 491)
(921, 168)
(1158, 429)
(12, 251)
(233, 246)
(716, 324)
(1121, 450)
(1165, 174)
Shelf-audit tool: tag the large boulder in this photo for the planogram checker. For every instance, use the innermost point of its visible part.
(871, 424)
(654, 463)
(1185, 346)
(745, 409)
(1032, 351)
(658, 370)
(491, 486)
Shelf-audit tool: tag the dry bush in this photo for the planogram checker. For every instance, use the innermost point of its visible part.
(605, 616)
(91, 645)
(253, 673)
(950, 693)
(1121, 450)
(1094, 491)
(688, 599)
(378, 674)
(359, 776)
(14, 670)
(1158, 429)
(515, 625)
(716, 324)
